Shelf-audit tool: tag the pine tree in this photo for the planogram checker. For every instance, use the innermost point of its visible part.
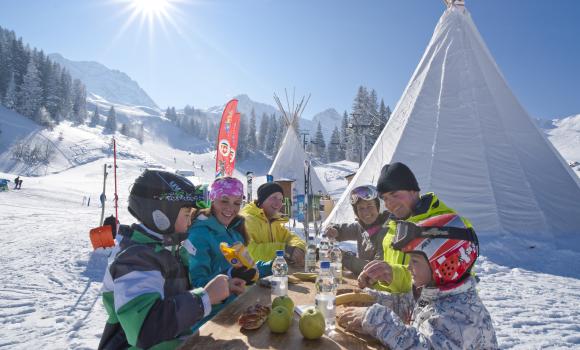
(344, 135)
(79, 98)
(65, 108)
(171, 114)
(30, 96)
(252, 143)
(383, 117)
(111, 123)
(10, 98)
(188, 110)
(42, 117)
(262, 136)
(95, 119)
(5, 64)
(242, 151)
(320, 144)
(334, 151)
(53, 96)
(271, 136)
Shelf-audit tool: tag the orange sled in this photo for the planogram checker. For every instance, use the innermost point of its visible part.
(102, 237)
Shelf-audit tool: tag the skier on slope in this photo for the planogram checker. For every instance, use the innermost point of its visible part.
(146, 290)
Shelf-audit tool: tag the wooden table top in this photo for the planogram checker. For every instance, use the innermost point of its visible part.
(224, 333)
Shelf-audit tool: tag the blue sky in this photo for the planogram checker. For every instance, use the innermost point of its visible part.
(216, 49)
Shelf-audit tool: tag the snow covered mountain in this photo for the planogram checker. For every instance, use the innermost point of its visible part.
(245, 106)
(565, 135)
(110, 84)
(328, 118)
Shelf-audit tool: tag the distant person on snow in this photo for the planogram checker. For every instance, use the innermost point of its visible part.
(20, 183)
(368, 230)
(265, 225)
(16, 182)
(449, 313)
(146, 290)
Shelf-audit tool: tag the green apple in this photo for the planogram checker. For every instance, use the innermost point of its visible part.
(279, 319)
(312, 324)
(284, 301)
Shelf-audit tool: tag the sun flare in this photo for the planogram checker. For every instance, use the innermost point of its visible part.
(151, 8)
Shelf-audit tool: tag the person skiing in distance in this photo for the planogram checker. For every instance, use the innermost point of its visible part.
(146, 290)
(16, 182)
(265, 225)
(368, 230)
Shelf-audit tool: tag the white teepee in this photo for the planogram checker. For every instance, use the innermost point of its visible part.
(291, 157)
(461, 130)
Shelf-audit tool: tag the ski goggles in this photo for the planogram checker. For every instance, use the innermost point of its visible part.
(226, 186)
(406, 232)
(367, 193)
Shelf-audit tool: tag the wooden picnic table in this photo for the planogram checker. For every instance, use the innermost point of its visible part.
(223, 332)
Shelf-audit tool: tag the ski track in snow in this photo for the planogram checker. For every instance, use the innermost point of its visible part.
(51, 280)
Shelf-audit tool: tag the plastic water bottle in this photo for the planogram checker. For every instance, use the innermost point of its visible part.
(279, 275)
(323, 248)
(335, 257)
(310, 258)
(326, 295)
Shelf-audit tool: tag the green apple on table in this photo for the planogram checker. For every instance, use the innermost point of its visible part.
(284, 301)
(312, 324)
(279, 319)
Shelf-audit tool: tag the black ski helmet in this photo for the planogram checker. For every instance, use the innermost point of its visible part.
(157, 196)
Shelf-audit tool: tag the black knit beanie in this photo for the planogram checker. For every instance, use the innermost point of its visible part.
(265, 190)
(396, 177)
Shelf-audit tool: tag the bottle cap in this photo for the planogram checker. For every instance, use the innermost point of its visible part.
(279, 253)
(325, 264)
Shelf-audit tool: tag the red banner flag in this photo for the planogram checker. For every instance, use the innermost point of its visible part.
(227, 143)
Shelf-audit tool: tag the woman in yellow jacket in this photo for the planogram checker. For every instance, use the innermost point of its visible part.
(265, 225)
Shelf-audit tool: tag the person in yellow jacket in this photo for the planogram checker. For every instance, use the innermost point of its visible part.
(265, 225)
(398, 188)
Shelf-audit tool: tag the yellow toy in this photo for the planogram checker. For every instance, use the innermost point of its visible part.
(238, 256)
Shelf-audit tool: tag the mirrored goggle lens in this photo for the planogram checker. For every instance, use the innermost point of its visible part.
(405, 233)
(366, 193)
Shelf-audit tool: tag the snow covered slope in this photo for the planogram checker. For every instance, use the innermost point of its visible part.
(51, 280)
(111, 84)
(565, 135)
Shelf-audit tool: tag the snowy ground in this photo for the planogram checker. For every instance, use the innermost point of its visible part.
(51, 280)
(49, 288)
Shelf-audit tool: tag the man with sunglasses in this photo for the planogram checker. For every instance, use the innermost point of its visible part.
(368, 230)
(398, 188)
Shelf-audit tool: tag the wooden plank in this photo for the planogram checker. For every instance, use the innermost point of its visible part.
(223, 331)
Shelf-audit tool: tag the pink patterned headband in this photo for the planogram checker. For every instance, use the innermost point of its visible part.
(226, 186)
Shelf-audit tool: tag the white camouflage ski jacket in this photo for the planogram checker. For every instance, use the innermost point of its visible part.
(451, 319)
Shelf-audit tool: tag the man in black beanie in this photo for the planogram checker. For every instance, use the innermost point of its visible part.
(399, 190)
(398, 186)
(265, 225)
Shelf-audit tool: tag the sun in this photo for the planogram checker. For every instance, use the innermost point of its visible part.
(151, 8)
(148, 15)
